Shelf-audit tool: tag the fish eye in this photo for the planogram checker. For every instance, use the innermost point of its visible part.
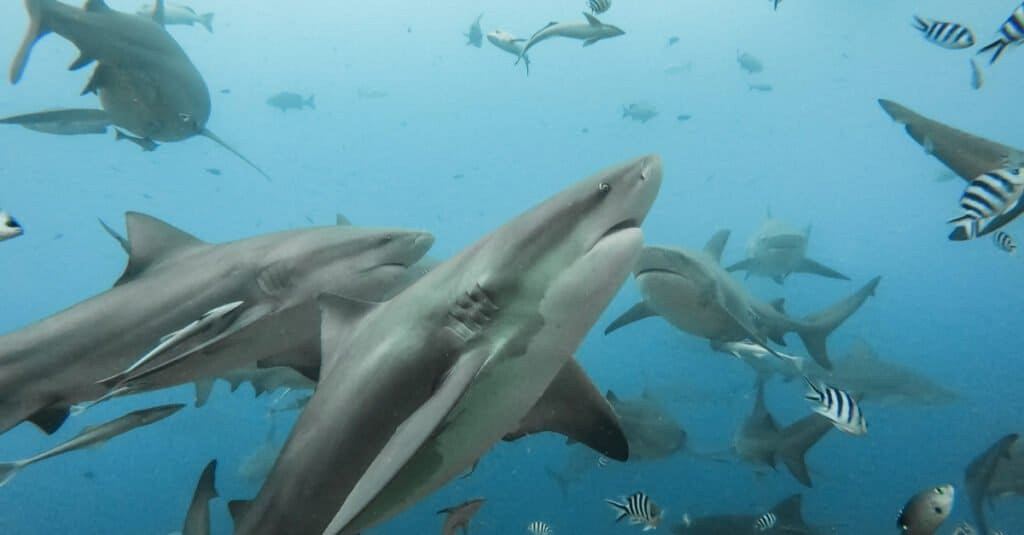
(938, 510)
(938, 490)
(604, 187)
(185, 117)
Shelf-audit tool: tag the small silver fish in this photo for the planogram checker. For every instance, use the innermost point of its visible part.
(977, 77)
(9, 227)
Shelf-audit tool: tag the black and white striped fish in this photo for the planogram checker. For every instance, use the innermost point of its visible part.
(838, 406)
(945, 34)
(1010, 33)
(991, 195)
(538, 528)
(1005, 242)
(639, 509)
(766, 522)
(599, 6)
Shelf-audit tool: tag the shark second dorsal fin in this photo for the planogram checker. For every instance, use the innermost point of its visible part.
(96, 6)
(572, 406)
(716, 244)
(592, 20)
(152, 241)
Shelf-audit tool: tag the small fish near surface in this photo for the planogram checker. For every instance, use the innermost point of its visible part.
(945, 34)
(599, 6)
(286, 100)
(764, 88)
(682, 117)
(926, 511)
(179, 14)
(590, 31)
(9, 227)
(509, 43)
(1010, 33)
(989, 202)
(1004, 242)
(639, 509)
(93, 436)
(458, 517)
(147, 145)
(475, 36)
(63, 122)
(639, 111)
(838, 406)
(749, 63)
(977, 75)
(539, 528)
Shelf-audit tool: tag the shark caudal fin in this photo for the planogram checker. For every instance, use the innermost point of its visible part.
(213, 137)
(796, 439)
(37, 28)
(814, 329)
(206, 19)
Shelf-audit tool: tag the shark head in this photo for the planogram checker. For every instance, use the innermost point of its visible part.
(675, 278)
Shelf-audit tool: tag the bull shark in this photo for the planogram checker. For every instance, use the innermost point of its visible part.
(430, 380)
(590, 31)
(760, 441)
(509, 43)
(458, 517)
(145, 82)
(788, 519)
(63, 122)
(691, 290)
(652, 432)
(991, 474)
(173, 278)
(777, 249)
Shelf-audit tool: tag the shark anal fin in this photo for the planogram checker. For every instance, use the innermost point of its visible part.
(810, 266)
(573, 406)
(151, 241)
(636, 313)
(49, 419)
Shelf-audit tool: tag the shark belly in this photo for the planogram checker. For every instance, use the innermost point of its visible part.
(689, 306)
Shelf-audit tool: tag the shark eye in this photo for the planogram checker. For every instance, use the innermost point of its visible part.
(938, 490)
(604, 187)
(938, 510)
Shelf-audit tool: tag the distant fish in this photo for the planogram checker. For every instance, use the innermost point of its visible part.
(989, 202)
(371, 93)
(764, 88)
(475, 36)
(1010, 33)
(838, 406)
(1005, 242)
(538, 528)
(679, 68)
(146, 144)
(225, 91)
(459, 516)
(509, 43)
(180, 14)
(639, 111)
(639, 509)
(926, 511)
(682, 117)
(766, 522)
(977, 76)
(287, 100)
(9, 227)
(945, 34)
(603, 461)
(599, 6)
(213, 171)
(671, 41)
(749, 63)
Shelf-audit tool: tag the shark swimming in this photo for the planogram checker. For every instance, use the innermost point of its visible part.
(486, 344)
(145, 82)
(997, 471)
(589, 31)
(777, 249)
(171, 281)
(691, 290)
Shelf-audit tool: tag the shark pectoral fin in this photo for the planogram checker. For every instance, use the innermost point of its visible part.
(152, 241)
(339, 316)
(37, 28)
(796, 439)
(573, 406)
(204, 387)
(408, 438)
(743, 265)
(716, 244)
(591, 41)
(636, 313)
(49, 419)
(810, 266)
(83, 60)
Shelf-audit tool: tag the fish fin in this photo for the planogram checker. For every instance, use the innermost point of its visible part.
(408, 437)
(206, 489)
(810, 266)
(204, 387)
(572, 406)
(96, 81)
(619, 508)
(82, 60)
(591, 41)
(116, 235)
(49, 419)
(716, 244)
(213, 137)
(796, 439)
(97, 6)
(342, 221)
(814, 329)
(206, 19)
(1003, 219)
(592, 20)
(8, 471)
(743, 265)
(636, 313)
(159, 14)
(152, 241)
(37, 28)
(339, 316)
(999, 45)
(238, 509)
(920, 24)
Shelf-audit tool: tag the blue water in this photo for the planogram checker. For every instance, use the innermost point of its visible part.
(816, 150)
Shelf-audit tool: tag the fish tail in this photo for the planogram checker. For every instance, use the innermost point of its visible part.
(8, 471)
(920, 24)
(206, 19)
(37, 28)
(526, 59)
(814, 329)
(999, 45)
(966, 228)
(311, 102)
(619, 508)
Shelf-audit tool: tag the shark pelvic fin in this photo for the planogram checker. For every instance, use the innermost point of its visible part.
(49, 419)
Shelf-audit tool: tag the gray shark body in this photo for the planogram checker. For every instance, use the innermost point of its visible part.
(691, 290)
(478, 349)
(589, 31)
(997, 471)
(173, 279)
(777, 249)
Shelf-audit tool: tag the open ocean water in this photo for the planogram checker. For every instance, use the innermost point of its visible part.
(414, 129)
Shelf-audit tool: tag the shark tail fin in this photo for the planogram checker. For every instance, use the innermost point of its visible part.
(560, 480)
(311, 102)
(37, 28)
(213, 137)
(206, 19)
(8, 471)
(814, 329)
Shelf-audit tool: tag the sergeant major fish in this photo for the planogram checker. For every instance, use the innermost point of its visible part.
(766, 522)
(639, 509)
(1010, 33)
(538, 528)
(599, 6)
(838, 406)
(9, 227)
(990, 201)
(945, 34)
(1005, 242)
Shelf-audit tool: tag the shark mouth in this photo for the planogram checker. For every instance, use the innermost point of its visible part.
(626, 224)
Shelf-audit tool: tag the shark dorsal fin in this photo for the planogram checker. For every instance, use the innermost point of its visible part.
(152, 241)
(716, 244)
(339, 316)
(159, 13)
(96, 6)
(592, 20)
(342, 221)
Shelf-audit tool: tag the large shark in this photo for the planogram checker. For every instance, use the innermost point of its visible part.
(145, 81)
(430, 380)
(691, 290)
(652, 432)
(777, 249)
(589, 31)
(173, 280)
(992, 474)
(788, 519)
(760, 441)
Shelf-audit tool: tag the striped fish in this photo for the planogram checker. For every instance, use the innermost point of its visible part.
(945, 34)
(599, 6)
(838, 406)
(538, 528)
(603, 461)
(1010, 33)
(766, 522)
(986, 201)
(639, 509)
(1005, 242)
(775, 4)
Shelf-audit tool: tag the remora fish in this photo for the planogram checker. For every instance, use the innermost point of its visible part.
(147, 145)
(787, 513)
(197, 519)
(475, 36)
(985, 477)
(590, 32)
(485, 346)
(63, 122)
(765, 363)
(173, 278)
(691, 290)
(509, 43)
(777, 249)
(458, 517)
(93, 436)
(926, 511)
(179, 14)
(145, 81)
